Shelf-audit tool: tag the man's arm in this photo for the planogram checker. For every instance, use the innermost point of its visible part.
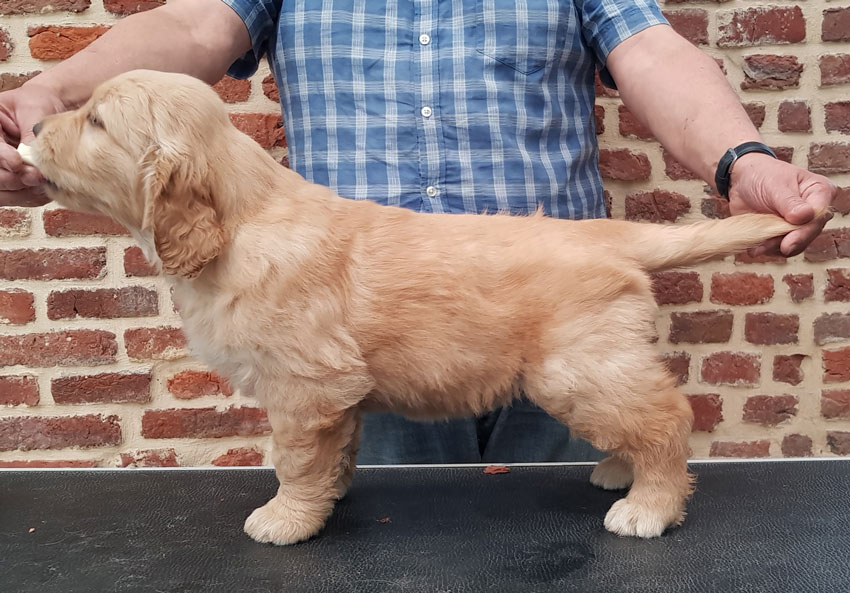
(682, 96)
(197, 37)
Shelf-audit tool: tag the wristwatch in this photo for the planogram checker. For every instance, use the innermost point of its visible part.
(724, 168)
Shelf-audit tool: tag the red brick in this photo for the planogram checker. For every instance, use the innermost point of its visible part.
(135, 264)
(741, 288)
(769, 329)
(784, 153)
(67, 348)
(7, 46)
(796, 445)
(14, 222)
(747, 449)
(16, 307)
(676, 288)
(800, 286)
(835, 403)
(270, 89)
(61, 42)
(690, 23)
(25, 433)
(599, 119)
(708, 411)
(160, 343)
(763, 25)
(239, 457)
(609, 203)
(232, 90)
(67, 223)
(829, 158)
(842, 201)
(837, 285)
(731, 368)
(656, 206)
(839, 442)
(16, 391)
(795, 116)
(837, 117)
(125, 7)
(830, 244)
(832, 327)
(83, 263)
(746, 258)
(767, 72)
(770, 410)
(150, 458)
(192, 384)
(788, 368)
(624, 165)
(834, 69)
(756, 113)
(701, 327)
(836, 24)
(265, 128)
(836, 365)
(42, 6)
(678, 364)
(675, 170)
(115, 388)
(103, 303)
(41, 464)
(715, 207)
(13, 80)
(631, 127)
(204, 423)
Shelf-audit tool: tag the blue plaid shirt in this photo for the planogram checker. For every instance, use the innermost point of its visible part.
(444, 105)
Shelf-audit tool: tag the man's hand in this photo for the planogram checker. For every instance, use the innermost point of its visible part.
(20, 110)
(761, 183)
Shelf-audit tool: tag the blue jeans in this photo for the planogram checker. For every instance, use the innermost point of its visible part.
(519, 433)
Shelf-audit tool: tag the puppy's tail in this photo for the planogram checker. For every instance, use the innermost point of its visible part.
(657, 247)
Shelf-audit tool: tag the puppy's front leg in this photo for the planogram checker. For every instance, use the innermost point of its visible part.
(309, 459)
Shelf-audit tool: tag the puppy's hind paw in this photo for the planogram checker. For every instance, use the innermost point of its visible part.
(612, 473)
(274, 523)
(629, 518)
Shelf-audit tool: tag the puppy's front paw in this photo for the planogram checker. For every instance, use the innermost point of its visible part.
(629, 518)
(278, 523)
(612, 473)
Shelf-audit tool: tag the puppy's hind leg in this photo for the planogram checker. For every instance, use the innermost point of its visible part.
(626, 405)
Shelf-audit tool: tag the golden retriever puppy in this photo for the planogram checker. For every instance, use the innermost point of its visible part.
(324, 307)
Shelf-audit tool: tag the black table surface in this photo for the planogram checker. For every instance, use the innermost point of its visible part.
(751, 527)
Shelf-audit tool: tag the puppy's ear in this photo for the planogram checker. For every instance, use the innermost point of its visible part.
(180, 212)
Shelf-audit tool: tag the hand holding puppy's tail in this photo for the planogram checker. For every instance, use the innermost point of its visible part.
(657, 247)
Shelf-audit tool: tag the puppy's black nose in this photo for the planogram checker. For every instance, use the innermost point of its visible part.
(36, 128)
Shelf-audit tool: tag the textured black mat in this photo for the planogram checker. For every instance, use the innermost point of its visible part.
(752, 527)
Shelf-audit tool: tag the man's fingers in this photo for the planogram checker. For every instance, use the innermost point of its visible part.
(769, 247)
(28, 198)
(10, 181)
(796, 241)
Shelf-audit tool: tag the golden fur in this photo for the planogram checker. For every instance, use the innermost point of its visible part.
(324, 307)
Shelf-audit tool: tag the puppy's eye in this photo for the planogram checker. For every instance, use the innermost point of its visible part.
(93, 120)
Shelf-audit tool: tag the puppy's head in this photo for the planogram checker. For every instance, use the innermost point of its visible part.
(138, 151)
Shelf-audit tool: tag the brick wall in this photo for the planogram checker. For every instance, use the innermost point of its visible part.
(93, 366)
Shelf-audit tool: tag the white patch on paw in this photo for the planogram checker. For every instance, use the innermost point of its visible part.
(630, 519)
(612, 473)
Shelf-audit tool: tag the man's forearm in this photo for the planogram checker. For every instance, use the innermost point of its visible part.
(197, 37)
(682, 96)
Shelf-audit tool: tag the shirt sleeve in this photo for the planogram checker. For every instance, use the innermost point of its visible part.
(260, 18)
(607, 23)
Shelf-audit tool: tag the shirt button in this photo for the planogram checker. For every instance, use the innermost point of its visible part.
(424, 39)
(431, 191)
(426, 111)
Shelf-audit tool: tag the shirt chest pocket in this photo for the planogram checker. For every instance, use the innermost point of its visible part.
(521, 34)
